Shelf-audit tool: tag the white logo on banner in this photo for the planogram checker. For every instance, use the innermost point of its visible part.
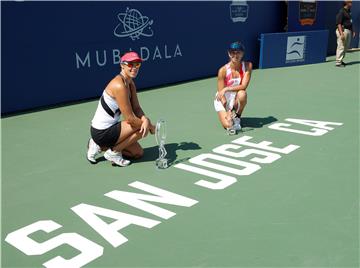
(295, 50)
(239, 11)
(133, 24)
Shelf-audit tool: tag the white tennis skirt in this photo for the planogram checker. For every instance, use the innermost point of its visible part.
(230, 101)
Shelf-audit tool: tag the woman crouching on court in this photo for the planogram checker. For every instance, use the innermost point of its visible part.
(233, 80)
(119, 138)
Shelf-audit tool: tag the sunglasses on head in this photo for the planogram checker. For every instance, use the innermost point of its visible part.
(132, 64)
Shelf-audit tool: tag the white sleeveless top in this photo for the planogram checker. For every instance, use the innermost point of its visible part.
(107, 112)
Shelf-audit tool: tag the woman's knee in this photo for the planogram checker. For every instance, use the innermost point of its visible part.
(138, 153)
(242, 97)
(133, 153)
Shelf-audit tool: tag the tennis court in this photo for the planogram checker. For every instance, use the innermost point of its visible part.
(301, 210)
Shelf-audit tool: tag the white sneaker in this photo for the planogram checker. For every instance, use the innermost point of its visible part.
(93, 151)
(116, 158)
(237, 124)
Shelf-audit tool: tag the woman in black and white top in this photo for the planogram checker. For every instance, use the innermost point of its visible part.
(108, 133)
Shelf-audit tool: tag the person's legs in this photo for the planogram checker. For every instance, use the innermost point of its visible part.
(93, 151)
(223, 115)
(223, 101)
(225, 119)
(241, 97)
(347, 40)
(134, 151)
(128, 136)
(126, 143)
(340, 50)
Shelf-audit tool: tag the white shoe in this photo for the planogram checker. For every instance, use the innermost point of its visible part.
(93, 151)
(237, 124)
(116, 158)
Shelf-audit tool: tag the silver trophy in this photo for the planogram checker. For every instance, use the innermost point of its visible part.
(160, 136)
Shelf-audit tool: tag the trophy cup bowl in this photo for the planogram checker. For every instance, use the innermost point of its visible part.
(160, 136)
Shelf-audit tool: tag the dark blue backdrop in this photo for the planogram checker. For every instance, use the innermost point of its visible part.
(55, 52)
(325, 19)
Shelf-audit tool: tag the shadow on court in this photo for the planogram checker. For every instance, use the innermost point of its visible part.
(152, 153)
(256, 122)
(352, 62)
(347, 63)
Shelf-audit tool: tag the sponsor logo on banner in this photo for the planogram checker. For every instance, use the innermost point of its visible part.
(131, 24)
(295, 49)
(239, 11)
(307, 12)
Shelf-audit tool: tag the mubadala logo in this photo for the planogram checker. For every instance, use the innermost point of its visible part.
(133, 24)
(102, 57)
(295, 51)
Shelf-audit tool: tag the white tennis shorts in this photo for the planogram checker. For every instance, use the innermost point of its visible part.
(230, 101)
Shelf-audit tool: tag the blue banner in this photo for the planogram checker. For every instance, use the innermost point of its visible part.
(55, 52)
(295, 48)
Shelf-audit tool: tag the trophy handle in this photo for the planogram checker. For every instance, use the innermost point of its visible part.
(160, 131)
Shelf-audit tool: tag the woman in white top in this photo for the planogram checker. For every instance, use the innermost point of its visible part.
(108, 133)
(233, 80)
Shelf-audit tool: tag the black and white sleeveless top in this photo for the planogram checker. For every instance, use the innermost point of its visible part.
(107, 112)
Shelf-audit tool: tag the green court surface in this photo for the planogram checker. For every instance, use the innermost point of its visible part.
(301, 210)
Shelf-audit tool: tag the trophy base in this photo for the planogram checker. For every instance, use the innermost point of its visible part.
(161, 163)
